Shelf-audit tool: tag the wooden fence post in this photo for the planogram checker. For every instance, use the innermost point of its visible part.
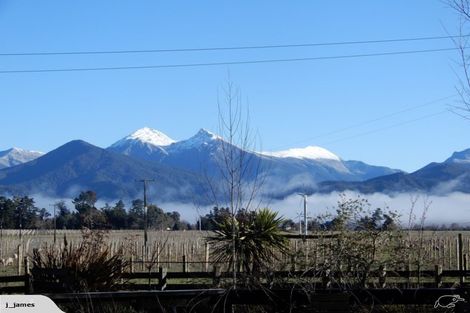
(216, 277)
(26, 265)
(131, 264)
(19, 253)
(143, 258)
(408, 275)
(438, 275)
(450, 254)
(162, 278)
(382, 276)
(207, 256)
(185, 264)
(465, 262)
(460, 258)
(293, 262)
(27, 274)
(158, 255)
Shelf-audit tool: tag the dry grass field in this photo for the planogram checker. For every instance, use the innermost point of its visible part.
(171, 248)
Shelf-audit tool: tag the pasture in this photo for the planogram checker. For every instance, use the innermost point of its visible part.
(189, 251)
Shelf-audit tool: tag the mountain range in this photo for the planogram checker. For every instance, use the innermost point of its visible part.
(15, 156)
(78, 165)
(181, 170)
(452, 175)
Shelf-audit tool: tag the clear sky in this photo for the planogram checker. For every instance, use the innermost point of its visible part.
(293, 104)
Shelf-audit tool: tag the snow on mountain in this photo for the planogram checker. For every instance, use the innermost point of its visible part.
(146, 135)
(145, 144)
(16, 156)
(310, 152)
(202, 137)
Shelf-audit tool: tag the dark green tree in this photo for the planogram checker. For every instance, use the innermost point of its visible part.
(116, 216)
(65, 218)
(7, 213)
(90, 216)
(136, 215)
(26, 213)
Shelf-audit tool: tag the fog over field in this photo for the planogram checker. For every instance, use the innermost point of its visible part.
(442, 209)
(452, 208)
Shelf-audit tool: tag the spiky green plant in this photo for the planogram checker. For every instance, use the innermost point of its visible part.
(257, 237)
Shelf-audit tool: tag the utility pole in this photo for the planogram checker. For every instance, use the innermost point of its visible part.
(55, 223)
(145, 181)
(305, 213)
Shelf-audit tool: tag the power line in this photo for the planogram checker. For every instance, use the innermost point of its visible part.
(318, 44)
(360, 124)
(388, 127)
(349, 56)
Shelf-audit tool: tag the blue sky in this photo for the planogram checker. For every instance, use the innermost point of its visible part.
(292, 104)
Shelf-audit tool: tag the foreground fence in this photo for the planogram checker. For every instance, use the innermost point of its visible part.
(168, 291)
(40, 281)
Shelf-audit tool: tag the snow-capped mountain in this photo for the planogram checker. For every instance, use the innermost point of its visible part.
(200, 153)
(284, 171)
(146, 135)
(183, 168)
(310, 152)
(16, 156)
(144, 144)
(202, 138)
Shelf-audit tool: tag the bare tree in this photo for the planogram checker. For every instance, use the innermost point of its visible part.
(239, 176)
(462, 8)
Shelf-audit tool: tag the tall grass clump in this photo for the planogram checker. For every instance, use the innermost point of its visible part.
(89, 266)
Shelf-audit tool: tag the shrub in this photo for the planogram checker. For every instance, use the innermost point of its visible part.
(86, 267)
(257, 237)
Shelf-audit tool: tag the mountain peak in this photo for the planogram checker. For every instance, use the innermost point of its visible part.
(15, 156)
(201, 138)
(459, 157)
(310, 152)
(204, 133)
(147, 135)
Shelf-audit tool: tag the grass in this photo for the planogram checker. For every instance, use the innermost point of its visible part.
(192, 244)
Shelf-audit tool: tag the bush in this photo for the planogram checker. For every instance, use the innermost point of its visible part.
(257, 237)
(86, 267)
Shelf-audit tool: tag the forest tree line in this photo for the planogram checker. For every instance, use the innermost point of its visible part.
(21, 212)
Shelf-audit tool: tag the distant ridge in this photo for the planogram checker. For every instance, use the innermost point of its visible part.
(16, 156)
(78, 165)
(181, 170)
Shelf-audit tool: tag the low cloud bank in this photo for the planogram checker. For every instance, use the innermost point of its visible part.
(443, 209)
(451, 208)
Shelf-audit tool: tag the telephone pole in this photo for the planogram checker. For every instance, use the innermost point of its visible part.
(305, 212)
(145, 181)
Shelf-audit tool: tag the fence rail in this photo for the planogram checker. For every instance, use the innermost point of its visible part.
(162, 279)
